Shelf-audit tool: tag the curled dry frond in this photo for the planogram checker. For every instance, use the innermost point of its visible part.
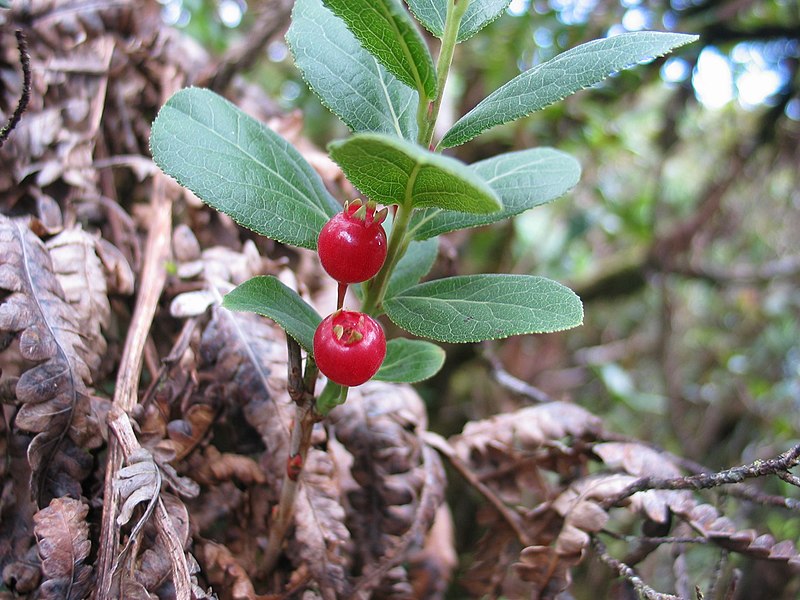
(321, 539)
(215, 467)
(395, 488)
(56, 366)
(139, 481)
(63, 537)
(223, 571)
(510, 454)
(243, 366)
(80, 273)
(525, 430)
(565, 524)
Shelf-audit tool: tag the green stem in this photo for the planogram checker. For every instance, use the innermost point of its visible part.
(423, 106)
(398, 242)
(310, 375)
(455, 11)
(427, 113)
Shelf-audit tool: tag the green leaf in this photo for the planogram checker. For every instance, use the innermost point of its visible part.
(474, 308)
(522, 180)
(349, 80)
(432, 14)
(559, 77)
(5, 3)
(410, 361)
(387, 31)
(415, 264)
(240, 167)
(393, 171)
(267, 296)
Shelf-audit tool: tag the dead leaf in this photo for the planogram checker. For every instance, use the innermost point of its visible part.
(224, 572)
(186, 433)
(139, 481)
(118, 272)
(53, 393)
(80, 274)
(321, 539)
(185, 246)
(587, 516)
(490, 574)
(636, 459)
(707, 520)
(216, 467)
(526, 429)
(192, 304)
(63, 536)
(546, 569)
(49, 219)
(380, 426)
(431, 568)
(22, 576)
(221, 264)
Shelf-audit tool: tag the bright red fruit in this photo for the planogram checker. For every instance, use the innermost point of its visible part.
(352, 245)
(349, 347)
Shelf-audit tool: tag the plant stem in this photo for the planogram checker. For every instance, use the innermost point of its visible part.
(301, 386)
(300, 442)
(455, 11)
(427, 113)
(398, 242)
(424, 106)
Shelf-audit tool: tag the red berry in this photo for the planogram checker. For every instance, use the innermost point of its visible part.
(349, 347)
(352, 245)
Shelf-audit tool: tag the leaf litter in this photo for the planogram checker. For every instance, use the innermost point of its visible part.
(213, 415)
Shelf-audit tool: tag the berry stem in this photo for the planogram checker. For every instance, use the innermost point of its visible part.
(301, 390)
(340, 296)
(332, 396)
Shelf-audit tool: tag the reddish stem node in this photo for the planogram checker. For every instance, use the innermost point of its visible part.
(294, 466)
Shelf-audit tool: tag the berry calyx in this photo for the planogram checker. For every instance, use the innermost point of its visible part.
(352, 245)
(349, 347)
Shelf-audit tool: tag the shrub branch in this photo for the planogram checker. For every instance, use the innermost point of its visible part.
(301, 391)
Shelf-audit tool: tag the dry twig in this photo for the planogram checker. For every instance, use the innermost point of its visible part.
(511, 517)
(121, 426)
(759, 468)
(627, 573)
(25, 61)
(125, 397)
(272, 19)
(514, 384)
(743, 491)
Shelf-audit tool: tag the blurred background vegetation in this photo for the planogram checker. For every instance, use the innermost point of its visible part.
(682, 236)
